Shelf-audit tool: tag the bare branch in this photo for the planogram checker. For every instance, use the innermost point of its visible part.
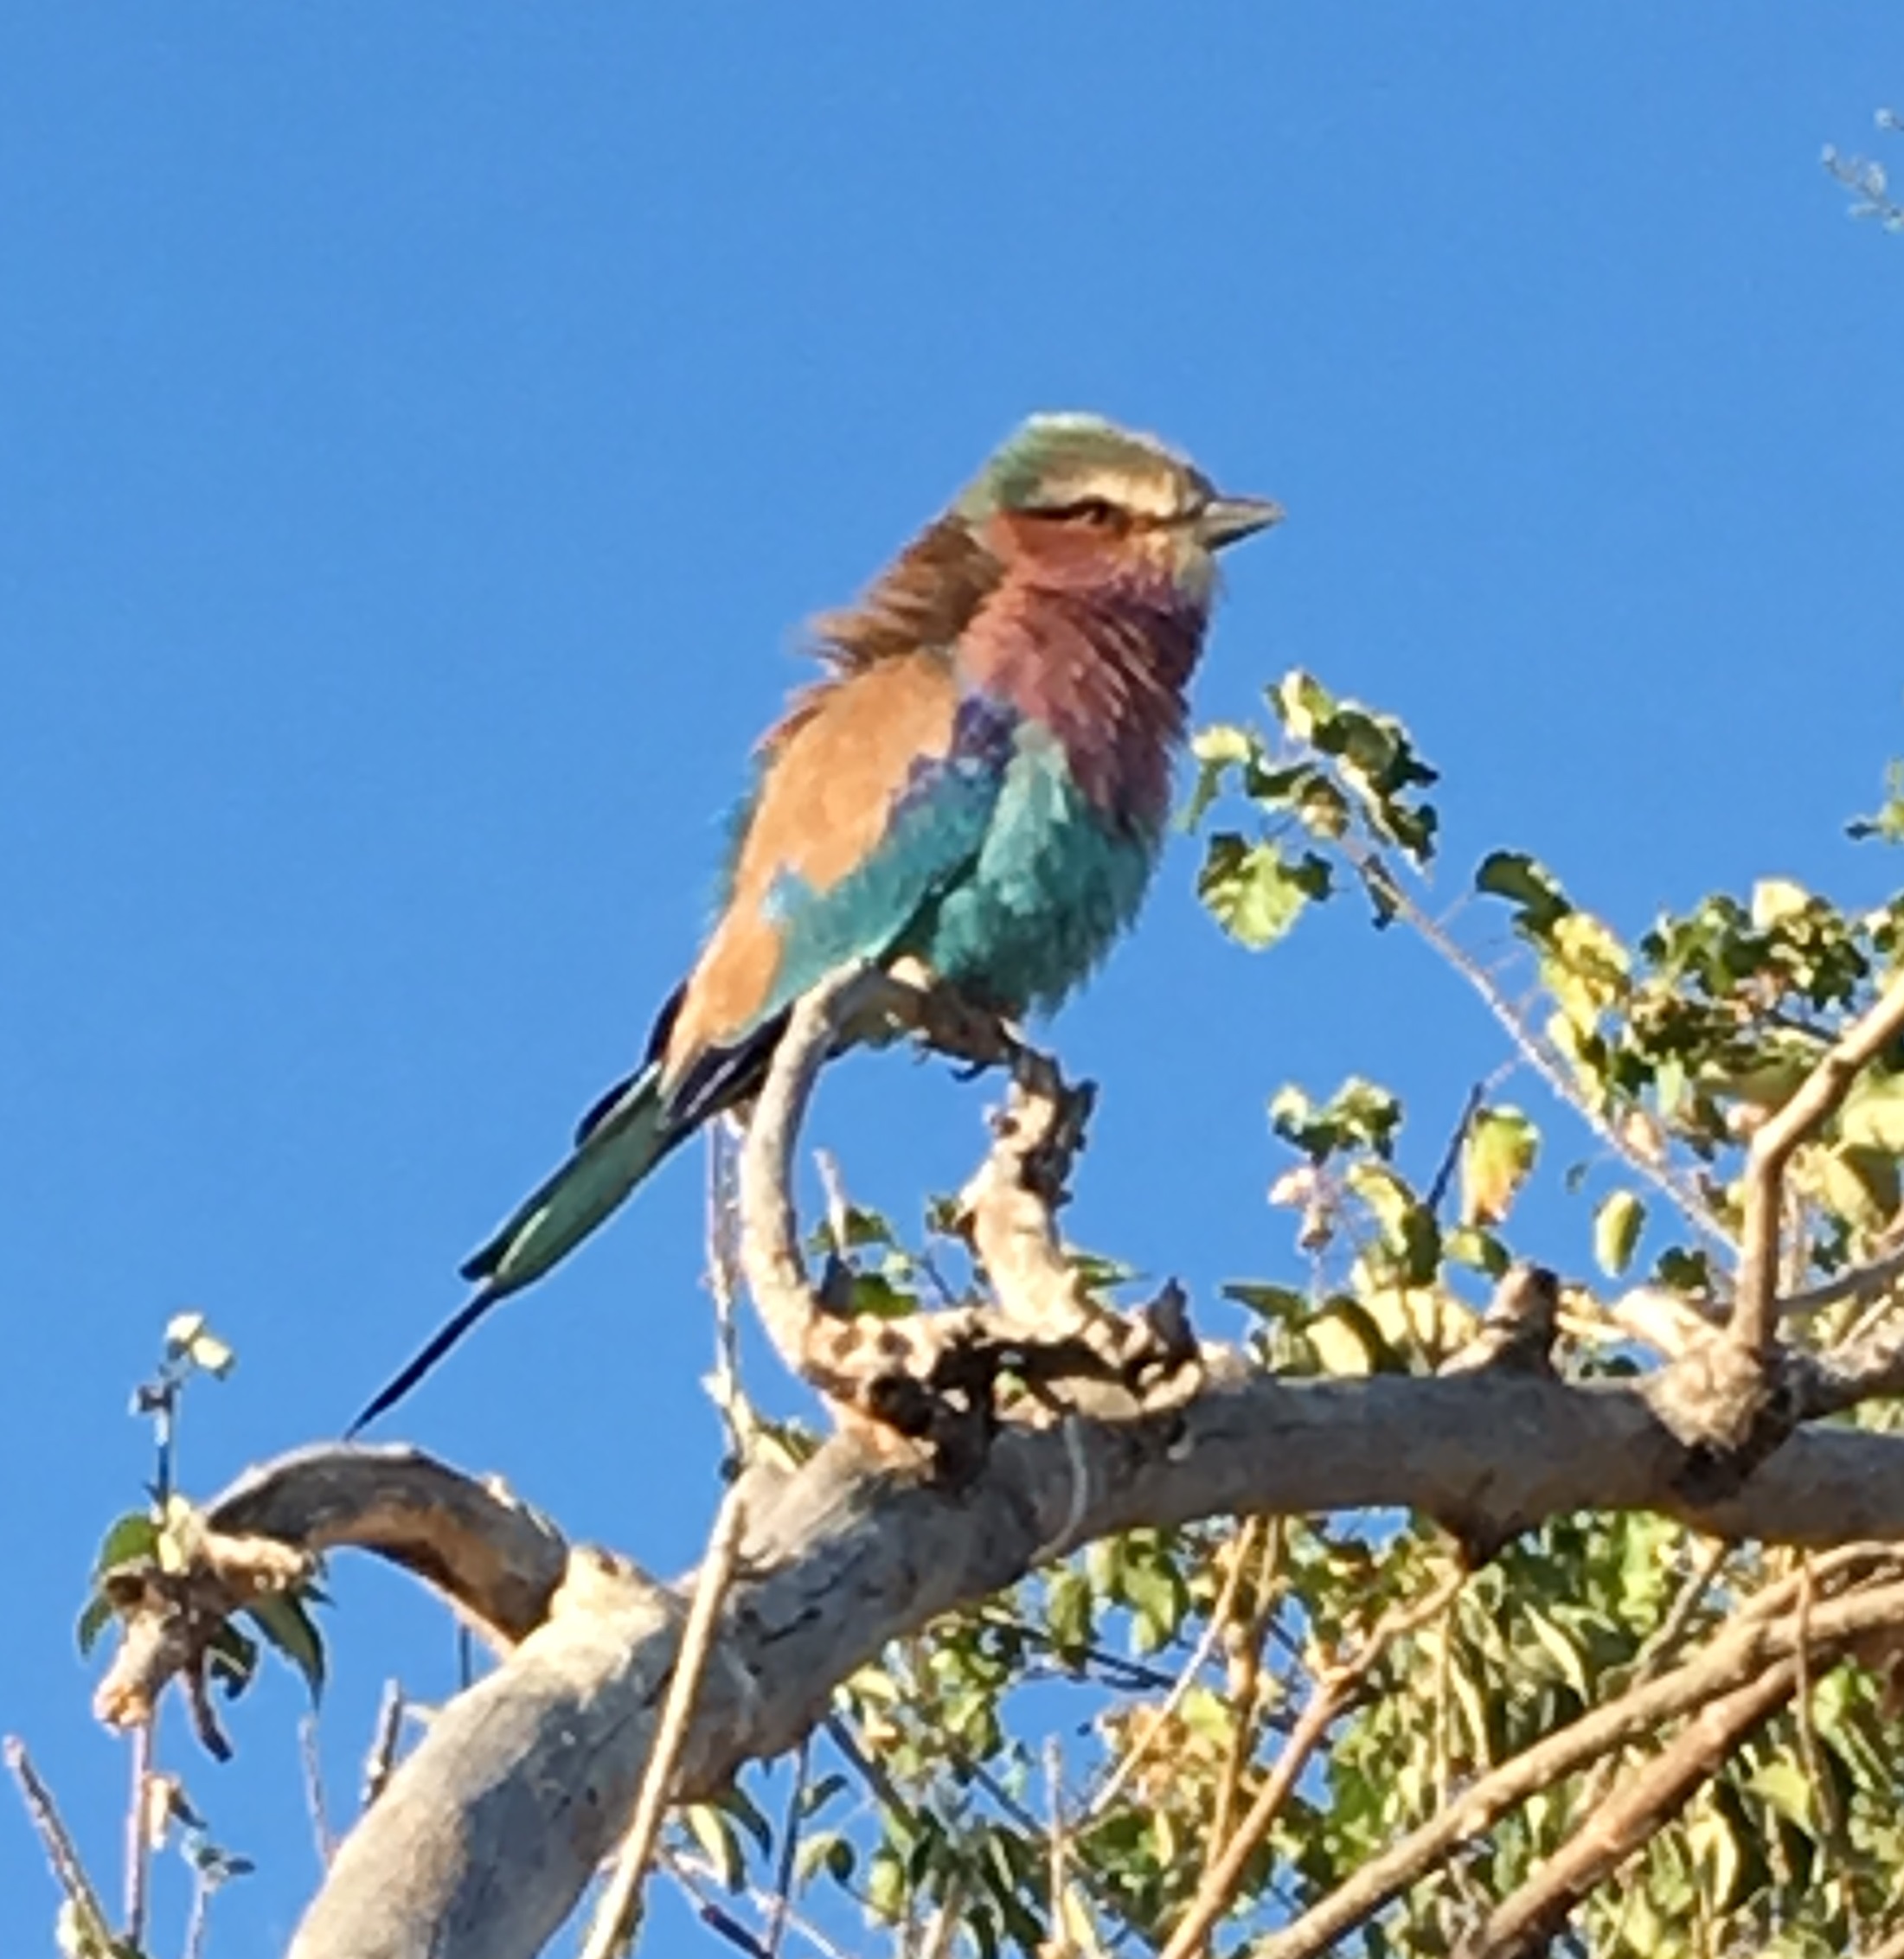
(62, 1853)
(1819, 1097)
(381, 1757)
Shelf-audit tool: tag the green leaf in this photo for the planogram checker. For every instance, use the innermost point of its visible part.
(285, 1625)
(1496, 1161)
(1302, 703)
(875, 1297)
(1784, 1785)
(829, 1852)
(1776, 901)
(210, 1355)
(181, 1330)
(1861, 1184)
(1254, 892)
(1523, 881)
(127, 1539)
(1559, 1650)
(1348, 1341)
(1273, 1302)
(1873, 1114)
(1617, 1227)
(713, 1831)
(1479, 1251)
(94, 1620)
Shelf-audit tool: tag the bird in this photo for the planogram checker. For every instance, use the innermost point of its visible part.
(980, 782)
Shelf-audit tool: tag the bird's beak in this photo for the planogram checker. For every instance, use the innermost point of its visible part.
(1226, 519)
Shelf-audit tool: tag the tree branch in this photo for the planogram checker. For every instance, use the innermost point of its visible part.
(1740, 1656)
(1535, 1914)
(1818, 1097)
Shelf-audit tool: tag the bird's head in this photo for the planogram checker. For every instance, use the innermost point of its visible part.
(1074, 500)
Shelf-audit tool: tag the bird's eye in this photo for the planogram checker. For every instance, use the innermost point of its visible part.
(1097, 511)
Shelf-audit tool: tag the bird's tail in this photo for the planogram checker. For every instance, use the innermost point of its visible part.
(623, 1142)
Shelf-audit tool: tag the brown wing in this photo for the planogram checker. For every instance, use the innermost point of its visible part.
(833, 769)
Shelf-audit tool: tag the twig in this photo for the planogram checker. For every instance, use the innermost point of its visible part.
(690, 1871)
(1451, 1157)
(1533, 1050)
(198, 1918)
(1737, 1657)
(314, 1798)
(1133, 1756)
(1615, 1830)
(1057, 1849)
(790, 1844)
(737, 1412)
(1869, 1282)
(619, 1912)
(1248, 1665)
(1833, 1841)
(62, 1853)
(1822, 1093)
(942, 1928)
(381, 1758)
(1336, 1688)
(138, 1854)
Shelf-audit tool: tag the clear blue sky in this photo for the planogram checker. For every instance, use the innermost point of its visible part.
(421, 430)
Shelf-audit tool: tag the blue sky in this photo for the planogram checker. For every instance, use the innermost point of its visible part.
(423, 428)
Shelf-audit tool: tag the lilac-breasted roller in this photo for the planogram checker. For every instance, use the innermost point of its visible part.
(980, 781)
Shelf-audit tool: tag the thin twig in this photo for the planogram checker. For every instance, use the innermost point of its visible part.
(1451, 1157)
(737, 1412)
(1248, 1665)
(380, 1760)
(1533, 1050)
(62, 1853)
(1818, 1097)
(1153, 1733)
(198, 1918)
(1336, 1688)
(139, 1850)
(1874, 1281)
(790, 1844)
(1057, 1849)
(1653, 1655)
(694, 1872)
(619, 1912)
(314, 1796)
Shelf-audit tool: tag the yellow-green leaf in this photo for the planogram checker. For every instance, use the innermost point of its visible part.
(1496, 1161)
(1776, 900)
(1617, 1227)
